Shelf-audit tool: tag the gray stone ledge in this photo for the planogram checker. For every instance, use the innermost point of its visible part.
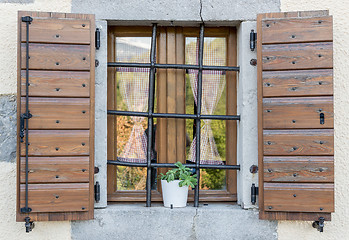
(135, 221)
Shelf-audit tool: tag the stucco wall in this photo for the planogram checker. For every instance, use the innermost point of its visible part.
(336, 229)
(9, 228)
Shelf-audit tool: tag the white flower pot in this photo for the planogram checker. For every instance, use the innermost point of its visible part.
(173, 194)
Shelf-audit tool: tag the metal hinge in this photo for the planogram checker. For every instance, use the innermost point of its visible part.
(27, 19)
(253, 38)
(97, 192)
(254, 193)
(319, 225)
(23, 117)
(98, 38)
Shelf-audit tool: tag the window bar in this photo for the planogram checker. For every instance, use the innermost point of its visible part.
(198, 112)
(150, 111)
(173, 66)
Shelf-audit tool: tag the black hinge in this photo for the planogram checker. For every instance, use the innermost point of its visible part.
(253, 38)
(97, 192)
(23, 117)
(27, 19)
(254, 193)
(98, 38)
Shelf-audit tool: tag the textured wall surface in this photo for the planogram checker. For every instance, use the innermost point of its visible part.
(9, 228)
(336, 229)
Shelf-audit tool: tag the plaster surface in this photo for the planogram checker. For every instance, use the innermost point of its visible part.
(336, 229)
(134, 221)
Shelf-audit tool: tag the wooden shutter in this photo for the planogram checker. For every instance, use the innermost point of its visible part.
(295, 115)
(61, 129)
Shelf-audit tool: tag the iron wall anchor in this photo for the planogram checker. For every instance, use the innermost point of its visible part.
(29, 225)
(319, 225)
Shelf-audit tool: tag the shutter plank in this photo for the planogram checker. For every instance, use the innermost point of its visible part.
(71, 31)
(297, 56)
(56, 84)
(68, 143)
(58, 113)
(297, 30)
(295, 197)
(299, 169)
(56, 169)
(60, 197)
(57, 56)
(298, 142)
(298, 83)
(297, 112)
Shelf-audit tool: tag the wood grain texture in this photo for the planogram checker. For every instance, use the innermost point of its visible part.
(298, 142)
(56, 169)
(72, 31)
(297, 197)
(57, 56)
(58, 113)
(297, 30)
(297, 112)
(299, 169)
(57, 143)
(56, 84)
(298, 83)
(59, 197)
(297, 56)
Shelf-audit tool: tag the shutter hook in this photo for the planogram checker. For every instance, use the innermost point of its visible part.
(319, 225)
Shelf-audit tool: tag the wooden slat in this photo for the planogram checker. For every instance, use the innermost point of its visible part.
(57, 56)
(298, 142)
(297, 30)
(70, 31)
(298, 83)
(296, 197)
(297, 56)
(62, 197)
(299, 169)
(297, 112)
(57, 143)
(56, 169)
(57, 84)
(58, 113)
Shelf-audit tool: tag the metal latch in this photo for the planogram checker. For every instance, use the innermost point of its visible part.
(322, 118)
(23, 117)
(254, 193)
(97, 192)
(29, 225)
(253, 38)
(319, 225)
(98, 38)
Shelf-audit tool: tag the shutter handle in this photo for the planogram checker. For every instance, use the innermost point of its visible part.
(322, 118)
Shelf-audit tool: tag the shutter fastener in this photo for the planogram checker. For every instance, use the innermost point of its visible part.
(319, 225)
(29, 225)
(98, 38)
(254, 193)
(97, 192)
(253, 38)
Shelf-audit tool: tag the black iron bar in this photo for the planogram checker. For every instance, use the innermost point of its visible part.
(170, 165)
(150, 112)
(27, 20)
(198, 112)
(173, 115)
(174, 66)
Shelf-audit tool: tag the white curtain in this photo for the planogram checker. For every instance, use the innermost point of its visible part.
(213, 83)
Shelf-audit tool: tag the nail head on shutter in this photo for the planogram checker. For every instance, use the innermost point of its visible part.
(83, 85)
(57, 148)
(84, 58)
(83, 208)
(57, 121)
(293, 62)
(321, 170)
(83, 111)
(294, 195)
(57, 196)
(83, 144)
(83, 25)
(321, 209)
(294, 121)
(57, 89)
(57, 176)
(57, 63)
(57, 35)
(270, 170)
(295, 174)
(293, 36)
(270, 207)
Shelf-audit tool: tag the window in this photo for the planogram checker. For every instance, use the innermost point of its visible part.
(175, 108)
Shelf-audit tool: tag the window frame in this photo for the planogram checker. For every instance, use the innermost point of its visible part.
(230, 194)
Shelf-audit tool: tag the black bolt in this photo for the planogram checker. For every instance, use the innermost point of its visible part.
(321, 142)
(83, 85)
(83, 144)
(83, 170)
(294, 195)
(270, 170)
(268, 25)
(270, 207)
(321, 170)
(295, 174)
(57, 121)
(320, 110)
(294, 88)
(268, 84)
(57, 89)
(57, 176)
(268, 110)
(294, 121)
(294, 148)
(57, 63)
(320, 21)
(83, 208)
(84, 58)
(321, 209)
(57, 196)
(293, 62)
(57, 148)
(57, 35)
(83, 111)
(320, 83)
(83, 25)
(293, 36)
(320, 55)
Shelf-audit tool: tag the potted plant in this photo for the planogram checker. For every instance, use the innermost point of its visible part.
(175, 184)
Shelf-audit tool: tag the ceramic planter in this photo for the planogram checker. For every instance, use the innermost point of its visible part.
(173, 194)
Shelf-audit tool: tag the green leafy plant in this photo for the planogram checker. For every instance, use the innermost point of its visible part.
(181, 173)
